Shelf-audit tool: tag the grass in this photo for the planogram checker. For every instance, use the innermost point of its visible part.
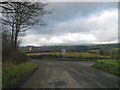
(12, 74)
(111, 66)
(76, 55)
(45, 53)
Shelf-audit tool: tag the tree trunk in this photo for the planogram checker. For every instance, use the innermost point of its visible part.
(12, 36)
(15, 43)
(17, 26)
(16, 36)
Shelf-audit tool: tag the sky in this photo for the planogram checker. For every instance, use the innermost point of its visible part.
(76, 23)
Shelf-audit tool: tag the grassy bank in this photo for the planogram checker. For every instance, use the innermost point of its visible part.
(111, 66)
(12, 74)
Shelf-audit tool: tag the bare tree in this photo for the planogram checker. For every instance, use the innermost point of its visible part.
(21, 16)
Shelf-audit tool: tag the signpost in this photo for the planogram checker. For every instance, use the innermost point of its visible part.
(63, 52)
(30, 49)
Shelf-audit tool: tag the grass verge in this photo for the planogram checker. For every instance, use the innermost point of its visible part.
(13, 74)
(111, 66)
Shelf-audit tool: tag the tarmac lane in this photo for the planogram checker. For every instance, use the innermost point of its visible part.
(69, 74)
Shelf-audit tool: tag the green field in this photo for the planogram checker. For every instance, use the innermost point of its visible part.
(12, 74)
(68, 55)
(111, 66)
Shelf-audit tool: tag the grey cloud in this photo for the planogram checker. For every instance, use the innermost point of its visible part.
(68, 10)
(64, 19)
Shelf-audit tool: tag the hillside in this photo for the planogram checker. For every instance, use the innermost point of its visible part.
(71, 48)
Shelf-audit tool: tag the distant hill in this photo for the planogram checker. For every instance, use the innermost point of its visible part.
(72, 48)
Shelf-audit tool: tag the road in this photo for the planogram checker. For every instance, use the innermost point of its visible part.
(69, 74)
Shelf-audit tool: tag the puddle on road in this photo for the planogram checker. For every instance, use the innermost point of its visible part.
(58, 83)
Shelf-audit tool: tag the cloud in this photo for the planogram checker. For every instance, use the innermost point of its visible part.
(68, 38)
(83, 0)
(77, 23)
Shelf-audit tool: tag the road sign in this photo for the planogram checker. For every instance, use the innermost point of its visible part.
(63, 51)
(30, 47)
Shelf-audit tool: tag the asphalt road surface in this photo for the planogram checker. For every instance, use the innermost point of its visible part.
(69, 74)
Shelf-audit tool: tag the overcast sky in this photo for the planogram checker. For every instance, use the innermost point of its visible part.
(76, 23)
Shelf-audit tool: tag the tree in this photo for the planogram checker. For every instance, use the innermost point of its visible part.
(21, 16)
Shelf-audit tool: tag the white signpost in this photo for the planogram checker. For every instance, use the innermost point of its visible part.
(30, 49)
(63, 52)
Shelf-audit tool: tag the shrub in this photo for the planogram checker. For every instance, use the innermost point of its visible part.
(10, 54)
(14, 57)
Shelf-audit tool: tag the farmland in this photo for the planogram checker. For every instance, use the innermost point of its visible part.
(68, 56)
(103, 51)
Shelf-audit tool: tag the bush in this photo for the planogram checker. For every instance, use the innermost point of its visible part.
(14, 73)
(113, 52)
(111, 66)
(10, 54)
(14, 57)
